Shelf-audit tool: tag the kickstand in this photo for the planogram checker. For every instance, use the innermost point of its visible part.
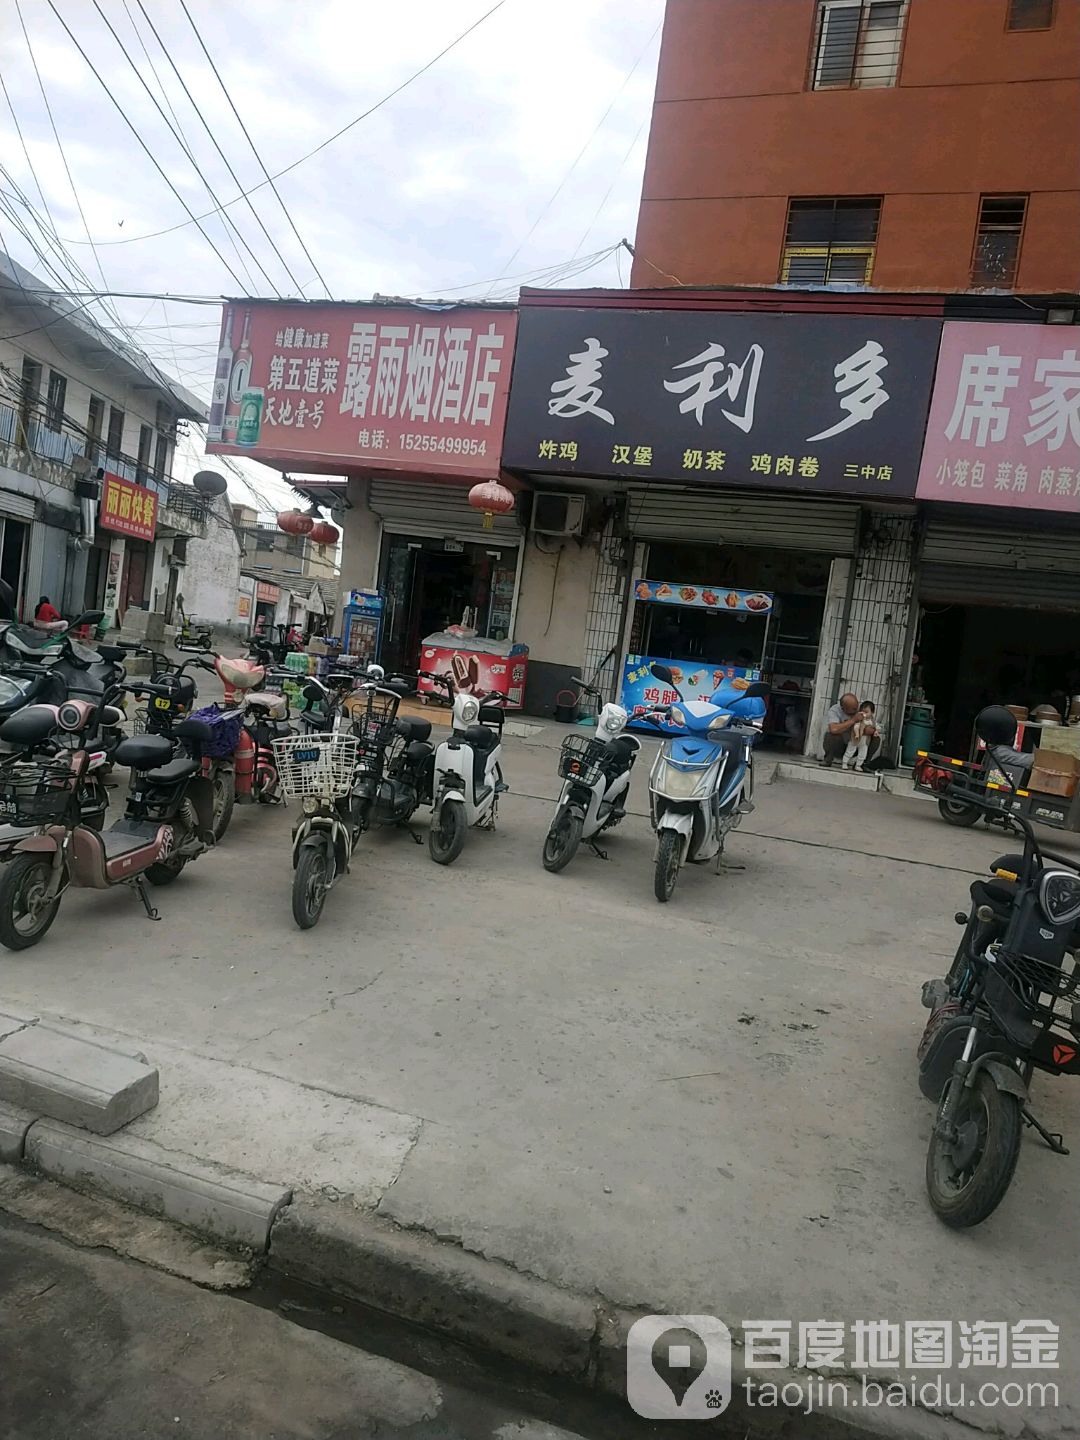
(143, 893)
(595, 848)
(418, 838)
(1056, 1142)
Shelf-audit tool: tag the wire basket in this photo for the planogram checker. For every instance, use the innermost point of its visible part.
(580, 759)
(35, 794)
(372, 714)
(322, 765)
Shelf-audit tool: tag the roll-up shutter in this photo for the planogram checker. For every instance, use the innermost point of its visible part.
(427, 507)
(1009, 568)
(787, 522)
(17, 507)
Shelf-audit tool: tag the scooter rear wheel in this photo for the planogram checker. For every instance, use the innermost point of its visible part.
(955, 812)
(446, 838)
(562, 840)
(164, 872)
(24, 915)
(310, 882)
(668, 855)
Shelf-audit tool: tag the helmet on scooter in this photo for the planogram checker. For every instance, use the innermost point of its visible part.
(995, 725)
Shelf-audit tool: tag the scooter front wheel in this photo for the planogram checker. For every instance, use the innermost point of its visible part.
(224, 783)
(668, 856)
(967, 1175)
(25, 913)
(562, 840)
(446, 838)
(311, 879)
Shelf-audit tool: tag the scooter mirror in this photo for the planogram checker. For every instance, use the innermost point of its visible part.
(662, 673)
(758, 691)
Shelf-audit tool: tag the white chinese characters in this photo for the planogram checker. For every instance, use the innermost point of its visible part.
(704, 386)
(580, 393)
(860, 387)
(982, 412)
(423, 374)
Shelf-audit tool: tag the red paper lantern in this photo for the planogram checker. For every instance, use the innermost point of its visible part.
(324, 534)
(294, 522)
(491, 497)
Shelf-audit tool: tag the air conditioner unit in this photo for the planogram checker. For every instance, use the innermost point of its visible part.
(557, 514)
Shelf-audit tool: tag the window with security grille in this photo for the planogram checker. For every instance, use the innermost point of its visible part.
(1030, 15)
(830, 241)
(857, 44)
(55, 402)
(997, 242)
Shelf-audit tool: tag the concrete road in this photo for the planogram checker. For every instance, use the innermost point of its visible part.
(707, 1107)
(93, 1346)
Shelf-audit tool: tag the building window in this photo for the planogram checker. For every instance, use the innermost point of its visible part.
(997, 244)
(830, 242)
(95, 421)
(857, 44)
(1030, 15)
(142, 467)
(161, 457)
(265, 539)
(54, 404)
(163, 418)
(115, 445)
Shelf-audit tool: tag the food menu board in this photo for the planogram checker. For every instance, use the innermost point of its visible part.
(704, 597)
(696, 680)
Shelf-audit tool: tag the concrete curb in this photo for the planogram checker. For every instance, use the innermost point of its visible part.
(414, 1277)
(68, 1078)
(14, 1123)
(209, 1199)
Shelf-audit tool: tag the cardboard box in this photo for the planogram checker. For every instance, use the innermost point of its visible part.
(1061, 739)
(1054, 773)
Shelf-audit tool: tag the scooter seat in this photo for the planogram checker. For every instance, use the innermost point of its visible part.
(269, 701)
(480, 738)
(176, 770)
(240, 674)
(412, 729)
(29, 726)
(144, 752)
(197, 731)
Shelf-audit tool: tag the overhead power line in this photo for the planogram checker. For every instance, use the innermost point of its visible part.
(195, 219)
(247, 137)
(194, 163)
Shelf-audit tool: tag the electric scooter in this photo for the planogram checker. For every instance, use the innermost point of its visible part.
(467, 778)
(702, 781)
(168, 819)
(596, 783)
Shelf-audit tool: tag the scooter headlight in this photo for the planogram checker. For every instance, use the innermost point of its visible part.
(311, 804)
(1059, 897)
(719, 722)
(677, 716)
(470, 710)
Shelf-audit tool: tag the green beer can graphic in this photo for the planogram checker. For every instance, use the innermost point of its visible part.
(249, 421)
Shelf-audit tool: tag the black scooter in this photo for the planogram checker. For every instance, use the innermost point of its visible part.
(1010, 1005)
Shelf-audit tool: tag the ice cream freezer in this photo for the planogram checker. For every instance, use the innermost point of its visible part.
(476, 665)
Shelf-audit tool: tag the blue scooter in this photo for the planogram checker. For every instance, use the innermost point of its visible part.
(702, 781)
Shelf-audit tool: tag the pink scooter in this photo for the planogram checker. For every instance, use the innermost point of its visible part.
(168, 819)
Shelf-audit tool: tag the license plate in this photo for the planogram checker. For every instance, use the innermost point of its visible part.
(160, 703)
(305, 757)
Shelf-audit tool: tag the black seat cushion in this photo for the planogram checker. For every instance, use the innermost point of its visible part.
(481, 738)
(175, 770)
(196, 730)
(143, 752)
(29, 726)
(998, 894)
(410, 728)
(492, 715)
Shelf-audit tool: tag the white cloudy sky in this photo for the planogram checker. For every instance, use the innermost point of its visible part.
(451, 182)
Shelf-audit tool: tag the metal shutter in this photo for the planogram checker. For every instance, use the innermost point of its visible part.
(415, 506)
(18, 507)
(787, 522)
(1010, 568)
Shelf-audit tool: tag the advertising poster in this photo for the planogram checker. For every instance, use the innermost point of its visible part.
(696, 681)
(703, 597)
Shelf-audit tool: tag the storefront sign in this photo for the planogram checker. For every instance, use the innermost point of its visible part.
(127, 508)
(398, 387)
(1004, 425)
(267, 593)
(792, 402)
(662, 592)
(695, 679)
(243, 606)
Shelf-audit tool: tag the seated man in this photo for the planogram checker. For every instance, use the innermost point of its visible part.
(840, 721)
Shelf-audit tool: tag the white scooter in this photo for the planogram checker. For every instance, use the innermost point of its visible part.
(467, 777)
(596, 783)
(702, 781)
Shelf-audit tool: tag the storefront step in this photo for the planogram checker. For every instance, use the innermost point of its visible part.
(810, 772)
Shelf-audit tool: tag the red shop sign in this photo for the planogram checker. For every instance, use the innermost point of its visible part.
(127, 508)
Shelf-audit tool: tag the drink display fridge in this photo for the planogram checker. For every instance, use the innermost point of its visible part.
(362, 625)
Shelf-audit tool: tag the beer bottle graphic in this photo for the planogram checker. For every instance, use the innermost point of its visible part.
(222, 374)
(238, 382)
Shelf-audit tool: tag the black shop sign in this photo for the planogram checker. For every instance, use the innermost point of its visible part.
(833, 403)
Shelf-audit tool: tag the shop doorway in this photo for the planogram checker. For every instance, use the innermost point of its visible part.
(968, 656)
(797, 580)
(13, 562)
(430, 583)
(134, 576)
